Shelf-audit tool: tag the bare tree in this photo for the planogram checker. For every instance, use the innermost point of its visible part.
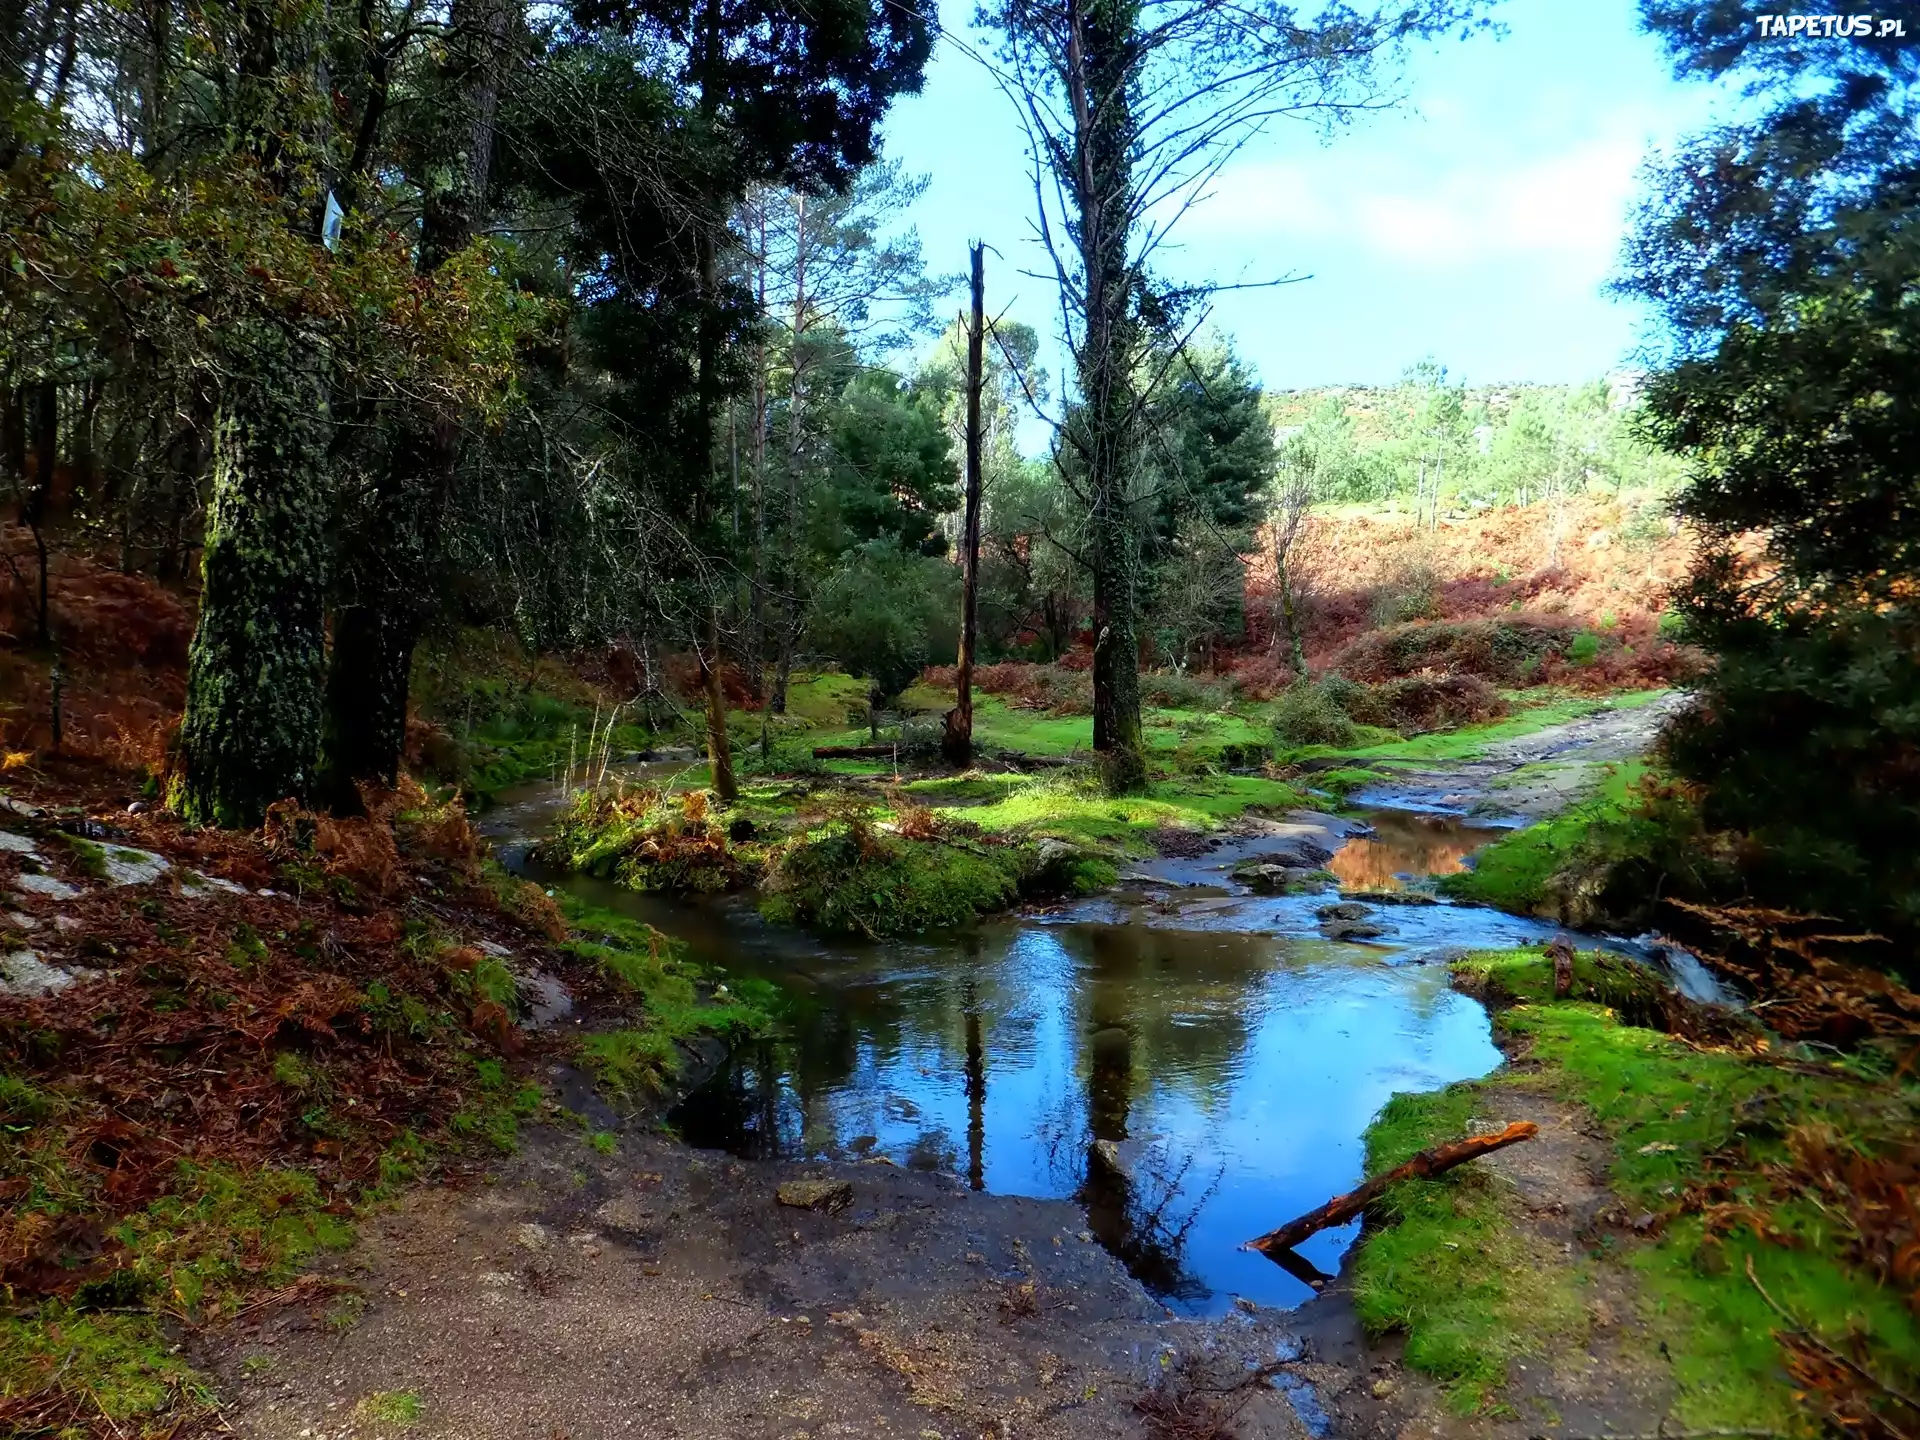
(1298, 486)
(1131, 108)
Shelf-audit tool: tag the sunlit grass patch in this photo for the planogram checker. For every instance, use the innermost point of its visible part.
(1471, 1291)
(1739, 1165)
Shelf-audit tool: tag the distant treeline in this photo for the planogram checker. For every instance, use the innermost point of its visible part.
(1445, 446)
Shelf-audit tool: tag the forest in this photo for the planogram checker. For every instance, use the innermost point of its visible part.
(554, 646)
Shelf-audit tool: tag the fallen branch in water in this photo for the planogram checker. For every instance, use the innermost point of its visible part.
(1423, 1166)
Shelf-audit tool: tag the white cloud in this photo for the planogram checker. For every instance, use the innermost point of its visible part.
(1410, 206)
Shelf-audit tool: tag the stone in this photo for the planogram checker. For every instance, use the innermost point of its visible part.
(1267, 879)
(24, 973)
(138, 807)
(47, 885)
(546, 1000)
(828, 1196)
(1390, 897)
(128, 866)
(1351, 930)
(1345, 910)
(18, 844)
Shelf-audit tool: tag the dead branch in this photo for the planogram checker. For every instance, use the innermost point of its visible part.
(1424, 1166)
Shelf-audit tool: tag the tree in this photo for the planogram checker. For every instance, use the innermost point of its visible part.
(1781, 250)
(1131, 108)
(1300, 483)
(958, 740)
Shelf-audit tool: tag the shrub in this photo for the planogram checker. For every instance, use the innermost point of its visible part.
(1308, 714)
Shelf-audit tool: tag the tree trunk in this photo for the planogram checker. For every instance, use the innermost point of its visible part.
(1100, 33)
(384, 605)
(796, 458)
(252, 722)
(958, 741)
(719, 748)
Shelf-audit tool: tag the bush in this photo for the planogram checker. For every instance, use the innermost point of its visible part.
(1176, 690)
(1432, 702)
(1308, 714)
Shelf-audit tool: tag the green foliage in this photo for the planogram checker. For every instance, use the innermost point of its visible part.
(1311, 713)
(888, 613)
(849, 879)
(1469, 1289)
(1781, 250)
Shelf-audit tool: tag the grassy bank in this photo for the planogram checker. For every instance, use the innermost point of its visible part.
(1752, 1221)
(879, 860)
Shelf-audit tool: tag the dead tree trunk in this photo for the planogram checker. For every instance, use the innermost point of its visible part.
(1423, 1166)
(958, 742)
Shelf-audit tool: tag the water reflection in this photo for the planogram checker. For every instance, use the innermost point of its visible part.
(1406, 846)
(1190, 1074)
(1187, 1089)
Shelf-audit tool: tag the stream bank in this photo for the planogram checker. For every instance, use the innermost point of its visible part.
(1036, 1147)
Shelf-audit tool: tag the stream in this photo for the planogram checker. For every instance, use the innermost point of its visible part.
(1190, 1063)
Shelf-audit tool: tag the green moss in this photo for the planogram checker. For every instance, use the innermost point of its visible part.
(123, 1364)
(847, 879)
(631, 1064)
(1674, 1115)
(1073, 808)
(663, 978)
(225, 1230)
(1470, 1291)
(1517, 872)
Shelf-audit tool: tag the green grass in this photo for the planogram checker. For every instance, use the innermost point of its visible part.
(1469, 741)
(1471, 1291)
(631, 1064)
(1673, 1115)
(1516, 872)
(1074, 809)
(400, 1408)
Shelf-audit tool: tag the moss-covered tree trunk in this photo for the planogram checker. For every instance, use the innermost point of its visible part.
(1098, 79)
(382, 604)
(252, 723)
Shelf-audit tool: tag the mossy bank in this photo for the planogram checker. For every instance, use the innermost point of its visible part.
(1743, 1214)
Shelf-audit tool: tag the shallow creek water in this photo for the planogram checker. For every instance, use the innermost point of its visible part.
(1189, 1063)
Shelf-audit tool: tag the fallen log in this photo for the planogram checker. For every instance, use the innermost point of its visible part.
(1423, 1166)
(855, 752)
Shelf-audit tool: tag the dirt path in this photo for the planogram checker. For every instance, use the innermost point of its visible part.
(662, 1292)
(1531, 777)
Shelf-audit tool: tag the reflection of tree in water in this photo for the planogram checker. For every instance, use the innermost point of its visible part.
(1404, 843)
(1140, 1211)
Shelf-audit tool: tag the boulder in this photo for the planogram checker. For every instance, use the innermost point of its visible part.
(827, 1196)
(1389, 897)
(1351, 930)
(1344, 910)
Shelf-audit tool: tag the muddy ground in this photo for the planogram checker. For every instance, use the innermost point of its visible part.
(664, 1292)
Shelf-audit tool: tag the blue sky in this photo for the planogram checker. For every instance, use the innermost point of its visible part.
(1477, 223)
